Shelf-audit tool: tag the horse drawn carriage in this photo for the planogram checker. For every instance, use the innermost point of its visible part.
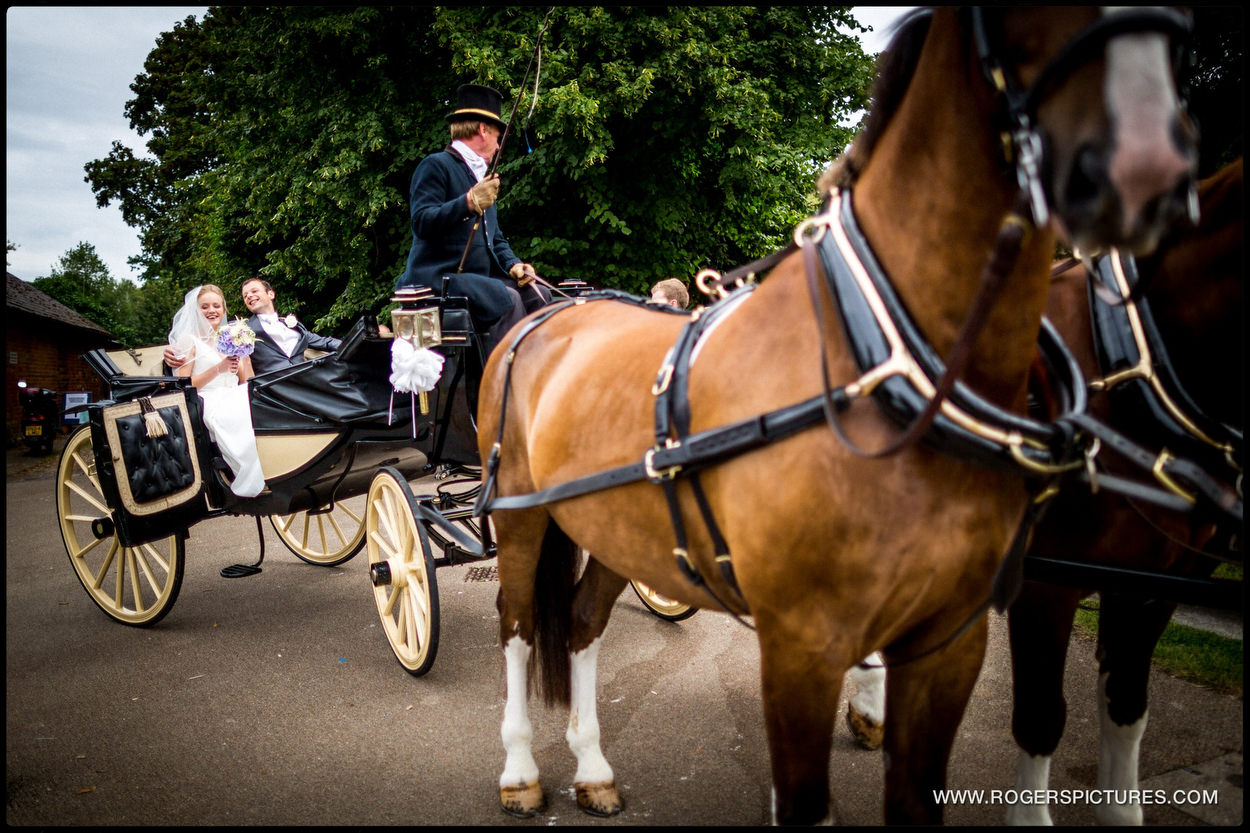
(932, 314)
(338, 446)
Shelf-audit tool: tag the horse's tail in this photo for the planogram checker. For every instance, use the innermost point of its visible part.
(554, 579)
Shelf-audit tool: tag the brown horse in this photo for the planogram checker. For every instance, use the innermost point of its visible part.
(833, 554)
(1195, 292)
(1194, 285)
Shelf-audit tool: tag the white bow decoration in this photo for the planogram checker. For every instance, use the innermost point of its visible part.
(414, 370)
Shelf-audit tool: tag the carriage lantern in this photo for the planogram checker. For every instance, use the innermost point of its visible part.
(417, 322)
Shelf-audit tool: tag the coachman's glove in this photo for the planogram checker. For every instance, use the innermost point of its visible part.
(483, 195)
(523, 273)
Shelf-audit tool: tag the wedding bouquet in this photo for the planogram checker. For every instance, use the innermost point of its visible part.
(236, 339)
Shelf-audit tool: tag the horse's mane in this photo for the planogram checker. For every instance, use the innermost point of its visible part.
(895, 67)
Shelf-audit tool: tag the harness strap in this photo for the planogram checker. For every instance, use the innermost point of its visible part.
(682, 554)
(1131, 350)
(491, 470)
(1173, 472)
(741, 274)
(1009, 578)
(672, 424)
(700, 450)
(1011, 236)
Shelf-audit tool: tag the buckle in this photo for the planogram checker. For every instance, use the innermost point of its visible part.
(659, 475)
(1158, 470)
(664, 378)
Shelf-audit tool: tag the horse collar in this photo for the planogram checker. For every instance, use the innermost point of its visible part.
(1137, 371)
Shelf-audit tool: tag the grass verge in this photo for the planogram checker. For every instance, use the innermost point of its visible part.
(1198, 656)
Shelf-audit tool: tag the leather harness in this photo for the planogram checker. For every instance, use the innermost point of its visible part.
(899, 368)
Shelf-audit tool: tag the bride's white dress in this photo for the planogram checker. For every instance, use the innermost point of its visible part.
(228, 415)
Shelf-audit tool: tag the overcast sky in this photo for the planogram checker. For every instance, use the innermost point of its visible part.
(68, 72)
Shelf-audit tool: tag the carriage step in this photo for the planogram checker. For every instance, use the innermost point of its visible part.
(239, 570)
(244, 570)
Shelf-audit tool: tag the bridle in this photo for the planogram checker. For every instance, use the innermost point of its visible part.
(1021, 103)
(1024, 151)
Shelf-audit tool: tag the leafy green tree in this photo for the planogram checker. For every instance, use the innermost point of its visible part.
(82, 282)
(662, 139)
(135, 316)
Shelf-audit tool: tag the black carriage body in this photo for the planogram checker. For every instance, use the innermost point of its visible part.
(330, 422)
(154, 485)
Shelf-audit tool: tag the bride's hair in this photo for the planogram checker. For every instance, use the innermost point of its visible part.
(212, 287)
(189, 326)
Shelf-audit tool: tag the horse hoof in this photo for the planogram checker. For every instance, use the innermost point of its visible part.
(598, 799)
(523, 800)
(867, 733)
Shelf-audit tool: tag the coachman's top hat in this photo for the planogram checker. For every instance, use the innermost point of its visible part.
(477, 103)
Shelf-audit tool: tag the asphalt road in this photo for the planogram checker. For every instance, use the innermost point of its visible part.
(275, 700)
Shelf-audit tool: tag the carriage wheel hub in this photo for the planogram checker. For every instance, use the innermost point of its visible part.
(389, 572)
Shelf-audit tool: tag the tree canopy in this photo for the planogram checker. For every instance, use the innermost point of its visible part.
(654, 142)
(82, 282)
(661, 140)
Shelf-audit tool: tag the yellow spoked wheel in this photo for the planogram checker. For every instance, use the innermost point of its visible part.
(663, 606)
(402, 572)
(133, 585)
(326, 539)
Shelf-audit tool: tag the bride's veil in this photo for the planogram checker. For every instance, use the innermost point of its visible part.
(189, 326)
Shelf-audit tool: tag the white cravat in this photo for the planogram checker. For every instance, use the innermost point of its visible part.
(478, 166)
(476, 163)
(285, 337)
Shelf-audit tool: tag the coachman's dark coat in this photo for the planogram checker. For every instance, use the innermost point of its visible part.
(441, 224)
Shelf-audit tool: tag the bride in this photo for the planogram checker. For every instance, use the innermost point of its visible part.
(221, 382)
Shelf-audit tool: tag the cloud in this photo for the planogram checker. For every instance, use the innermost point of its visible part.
(68, 72)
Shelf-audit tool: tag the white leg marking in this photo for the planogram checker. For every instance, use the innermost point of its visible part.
(827, 821)
(1117, 763)
(583, 731)
(1032, 773)
(517, 732)
(869, 699)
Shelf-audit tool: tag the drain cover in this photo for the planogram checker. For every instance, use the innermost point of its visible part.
(482, 574)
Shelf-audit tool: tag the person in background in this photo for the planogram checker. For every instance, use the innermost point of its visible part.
(671, 291)
(452, 208)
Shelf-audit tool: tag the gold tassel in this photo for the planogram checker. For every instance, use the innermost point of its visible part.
(155, 425)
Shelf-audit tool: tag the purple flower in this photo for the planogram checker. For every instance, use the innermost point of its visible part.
(236, 339)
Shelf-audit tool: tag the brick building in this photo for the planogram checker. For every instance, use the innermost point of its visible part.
(45, 341)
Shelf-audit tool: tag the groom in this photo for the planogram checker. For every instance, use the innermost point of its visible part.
(280, 342)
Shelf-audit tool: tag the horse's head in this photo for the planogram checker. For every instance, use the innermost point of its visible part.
(1093, 91)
